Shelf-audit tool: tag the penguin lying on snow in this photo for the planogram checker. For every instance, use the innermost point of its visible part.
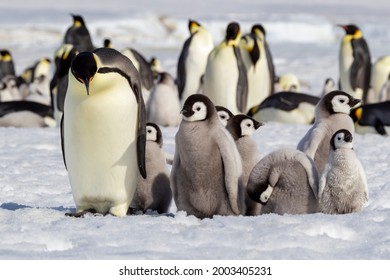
(372, 118)
(286, 107)
(343, 185)
(154, 192)
(206, 171)
(285, 182)
(103, 132)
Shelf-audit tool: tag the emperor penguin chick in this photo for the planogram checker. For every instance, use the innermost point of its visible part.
(343, 185)
(103, 131)
(242, 128)
(154, 192)
(224, 114)
(285, 182)
(206, 171)
(331, 114)
(163, 106)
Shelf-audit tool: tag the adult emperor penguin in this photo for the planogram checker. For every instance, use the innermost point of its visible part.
(163, 106)
(224, 114)
(242, 128)
(286, 107)
(331, 114)
(285, 182)
(354, 63)
(372, 118)
(343, 184)
(103, 131)
(6, 64)
(259, 66)
(329, 85)
(225, 79)
(206, 171)
(78, 35)
(193, 59)
(379, 77)
(154, 192)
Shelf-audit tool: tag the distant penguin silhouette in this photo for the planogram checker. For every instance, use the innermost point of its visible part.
(6, 64)
(78, 35)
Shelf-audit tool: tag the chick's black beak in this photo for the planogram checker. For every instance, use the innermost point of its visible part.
(84, 68)
(348, 138)
(186, 111)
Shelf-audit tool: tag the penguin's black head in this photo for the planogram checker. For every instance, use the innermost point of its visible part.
(258, 27)
(198, 107)
(84, 68)
(5, 54)
(232, 31)
(242, 125)
(153, 133)
(350, 29)
(342, 139)
(78, 20)
(338, 101)
(107, 43)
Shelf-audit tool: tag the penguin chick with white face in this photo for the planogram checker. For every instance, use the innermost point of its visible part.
(343, 185)
(242, 128)
(224, 114)
(163, 106)
(285, 182)
(103, 131)
(154, 192)
(331, 114)
(206, 171)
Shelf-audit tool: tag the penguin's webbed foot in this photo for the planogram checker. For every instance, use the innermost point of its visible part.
(81, 214)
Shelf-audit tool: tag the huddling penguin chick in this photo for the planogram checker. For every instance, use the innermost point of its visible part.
(331, 114)
(285, 182)
(224, 114)
(343, 185)
(242, 128)
(154, 191)
(39, 88)
(163, 107)
(207, 169)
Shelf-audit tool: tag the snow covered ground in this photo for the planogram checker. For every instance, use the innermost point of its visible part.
(34, 188)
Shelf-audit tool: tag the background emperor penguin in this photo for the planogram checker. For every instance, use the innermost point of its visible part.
(354, 63)
(225, 78)
(78, 35)
(331, 114)
(224, 114)
(154, 192)
(242, 127)
(103, 131)
(192, 60)
(343, 184)
(6, 64)
(379, 76)
(206, 171)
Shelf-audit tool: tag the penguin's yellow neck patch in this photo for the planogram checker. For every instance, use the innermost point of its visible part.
(6, 57)
(358, 34)
(77, 23)
(358, 113)
(194, 27)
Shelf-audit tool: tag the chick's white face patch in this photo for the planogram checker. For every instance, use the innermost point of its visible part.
(199, 110)
(264, 197)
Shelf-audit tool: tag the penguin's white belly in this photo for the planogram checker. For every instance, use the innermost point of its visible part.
(100, 150)
(258, 84)
(221, 78)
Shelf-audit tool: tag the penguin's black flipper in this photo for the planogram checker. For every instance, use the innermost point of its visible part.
(145, 70)
(361, 66)
(181, 67)
(242, 85)
(380, 127)
(141, 133)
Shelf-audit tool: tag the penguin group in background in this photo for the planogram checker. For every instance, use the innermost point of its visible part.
(9, 90)
(225, 78)
(6, 64)
(163, 106)
(224, 114)
(78, 35)
(39, 87)
(154, 192)
(242, 127)
(379, 77)
(343, 184)
(103, 132)
(331, 114)
(287, 82)
(372, 118)
(286, 107)
(285, 182)
(259, 66)
(207, 169)
(192, 60)
(354, 63)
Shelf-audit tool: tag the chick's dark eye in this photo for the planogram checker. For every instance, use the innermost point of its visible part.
(197, 109)
(149, 131)
(342, 101)
(248, 125)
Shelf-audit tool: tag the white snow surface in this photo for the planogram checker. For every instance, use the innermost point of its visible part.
(34, 189)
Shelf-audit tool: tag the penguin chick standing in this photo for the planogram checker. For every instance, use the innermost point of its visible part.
(225, 78)
(163, 106)
(103, 131)
(193, 59)
(78, 35)
(154, 192)
(207, 169)
(331, 114)
(354, 63)
(242, 128)
(285, 182)
(343, 185)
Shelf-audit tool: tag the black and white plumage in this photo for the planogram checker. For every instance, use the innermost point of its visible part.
(78, 35)
(206, 171)
(372, 118)
(103, 131)
(343, 184)
(331, 114)
(354, 63)
(6, 64)
(154, 192)
(285, 182)
(224, 114)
